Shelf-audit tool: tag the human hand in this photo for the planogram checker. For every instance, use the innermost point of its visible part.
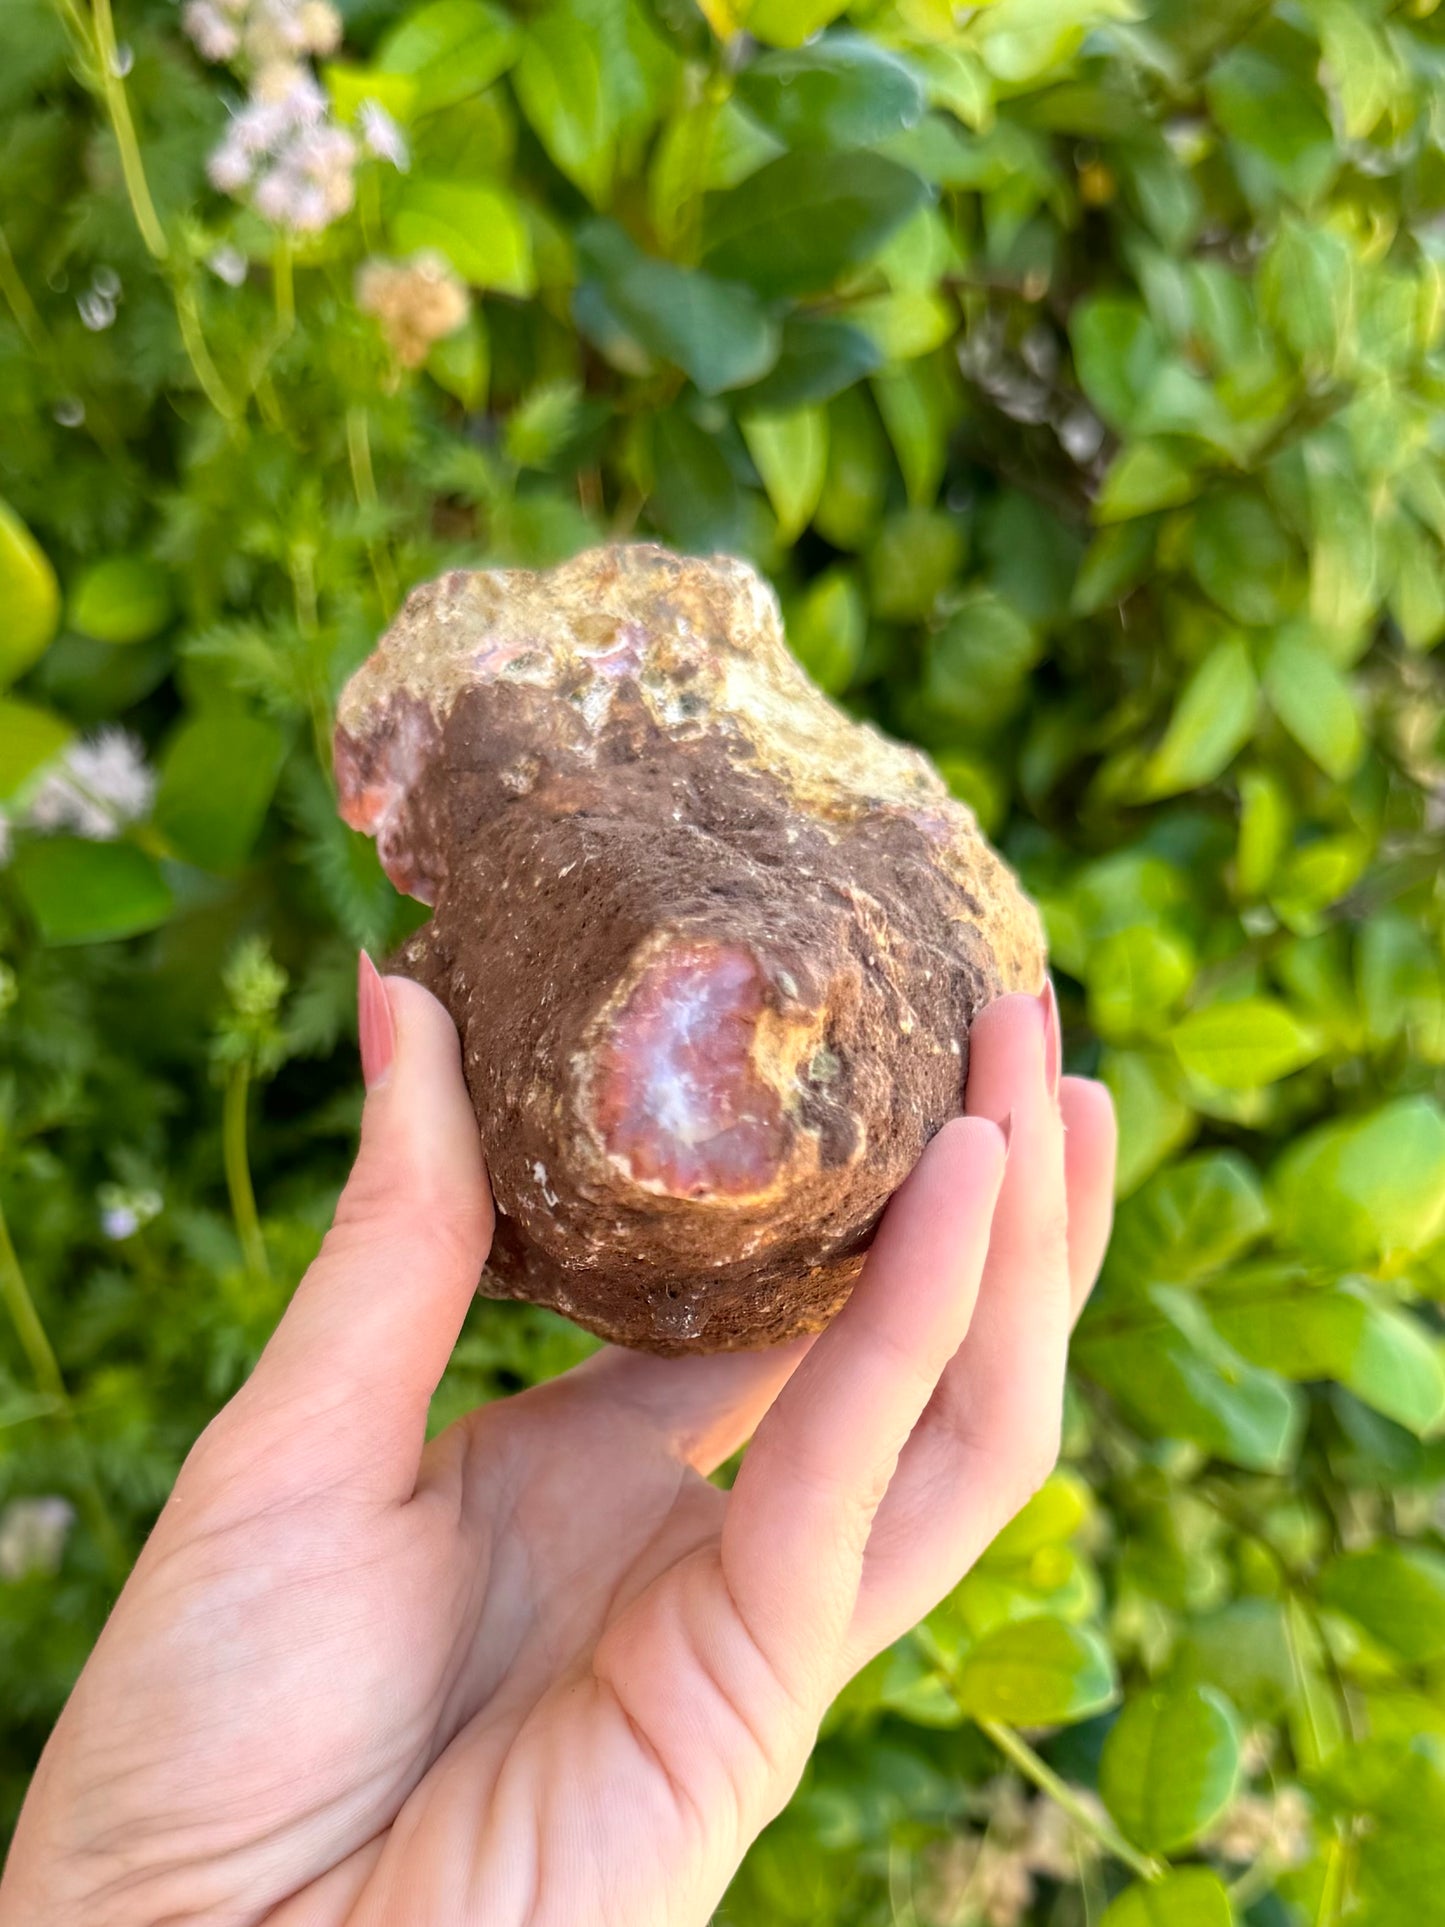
(539, 1670)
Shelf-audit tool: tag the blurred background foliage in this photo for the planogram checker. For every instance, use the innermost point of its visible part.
(1073, 367)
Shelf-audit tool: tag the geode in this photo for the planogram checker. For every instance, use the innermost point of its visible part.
(713, 948)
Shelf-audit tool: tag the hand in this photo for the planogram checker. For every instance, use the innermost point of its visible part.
(540, 1670)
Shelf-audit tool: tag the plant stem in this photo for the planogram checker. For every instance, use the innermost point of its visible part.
(188, 314)
(238, 1171)
(283, 280)
(118, 106)
(45, 1368)
(363, 481)
(1021, 1755)
(26, 314)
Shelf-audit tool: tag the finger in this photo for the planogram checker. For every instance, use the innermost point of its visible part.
(350, 1370)
(990, 1432)
(1091, 1143)
(704, 1407)
(800, 1513)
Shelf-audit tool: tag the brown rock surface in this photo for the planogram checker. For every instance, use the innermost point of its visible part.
(712, 947)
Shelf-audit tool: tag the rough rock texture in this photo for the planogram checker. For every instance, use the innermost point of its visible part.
(713, 948)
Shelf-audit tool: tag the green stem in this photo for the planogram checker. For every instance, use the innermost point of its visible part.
(1252, 1885)
(283, 277)
(363, 481)
(238, 1171)
(27, 315)
(1021, 1755)
(45, 1368)
(188, 314)
(118, 106)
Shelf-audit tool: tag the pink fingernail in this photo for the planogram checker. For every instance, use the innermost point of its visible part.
(1053, 1037)
(375, 1025)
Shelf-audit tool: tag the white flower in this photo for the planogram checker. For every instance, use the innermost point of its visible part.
(228, 264)
(1263, 1827)
(95, 787)
(381, 136)
(230, 167)
(212, 34)
(320, 26)
(123, 1211)
(32, 1536)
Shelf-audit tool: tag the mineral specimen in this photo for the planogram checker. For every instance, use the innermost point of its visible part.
(713, 948)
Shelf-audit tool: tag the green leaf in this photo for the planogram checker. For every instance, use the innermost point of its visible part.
(82, 892)
(1264, 827)
(1397, 1593)
(1194, 1897)
(1212, 721)
(1276, 123)
(29, 596)
(839, 92)
(1178, 1379)
(716, 331)
(779, 23)
(696, 499)
(29, 738)
(461, 362)
(1244, 1044)
(1154, 1119)
(125, 598)
(790, 453)
(1170, 1766)
(217, 776)
(476, 226)
(913, 559)
(826, 629)
(1118, 354)
(1188, 1221)
(1242, 558)
(1366, 1190)
(1314, 702)
(1037, 1672)
(1146, 476)
(1401, 980)
(562, 90)
(819, 358)
(978, 662)
(799, 223)
(1306, 1331)
(859, 466)
(1135, 977)
(918, 404)
(450, 49)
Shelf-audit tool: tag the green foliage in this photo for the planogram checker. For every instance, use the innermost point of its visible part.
(1074, 369)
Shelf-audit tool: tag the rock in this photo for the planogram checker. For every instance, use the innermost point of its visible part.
(712, 947)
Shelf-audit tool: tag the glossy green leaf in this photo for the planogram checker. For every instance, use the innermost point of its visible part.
(1154, 1117)
(716, 331)
(978, 662)
(838, 92)
(29, 597)
(1188, 1221)
(800, 222)
(217, 776)
(83, 892)
(449, 49)
(461, 362)
(1369, 1188)
(859, 467)
(1277, 125)
(817, 359)
(1193, 1897)
(1036, 1672)
(1212, 721)
(826, 629)
(560, 84)
(913, 559)
(1145, 476)
(1397, 1593)
(1135, 977)
(125, 598)
(781, 23)
(474, 225)
(790, 453)
(1244, 1044)
(29, 738)
(1170, 1766)
(1314, 702)
(1306, 1331)
(1244, 559)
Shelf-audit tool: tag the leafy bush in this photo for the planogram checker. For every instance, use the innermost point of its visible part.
(1073, 367)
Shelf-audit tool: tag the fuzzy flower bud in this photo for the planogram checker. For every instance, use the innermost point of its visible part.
(416, 302)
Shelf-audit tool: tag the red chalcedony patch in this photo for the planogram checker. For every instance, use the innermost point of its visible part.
(676, 1097)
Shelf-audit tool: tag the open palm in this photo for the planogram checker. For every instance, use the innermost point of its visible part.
(540, 1670)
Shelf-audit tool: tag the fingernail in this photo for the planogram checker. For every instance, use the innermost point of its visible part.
(374, 1023)
(1053, 1039)
(1006, 1129)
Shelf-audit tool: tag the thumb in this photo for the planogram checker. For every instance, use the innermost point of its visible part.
(367, 1335)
